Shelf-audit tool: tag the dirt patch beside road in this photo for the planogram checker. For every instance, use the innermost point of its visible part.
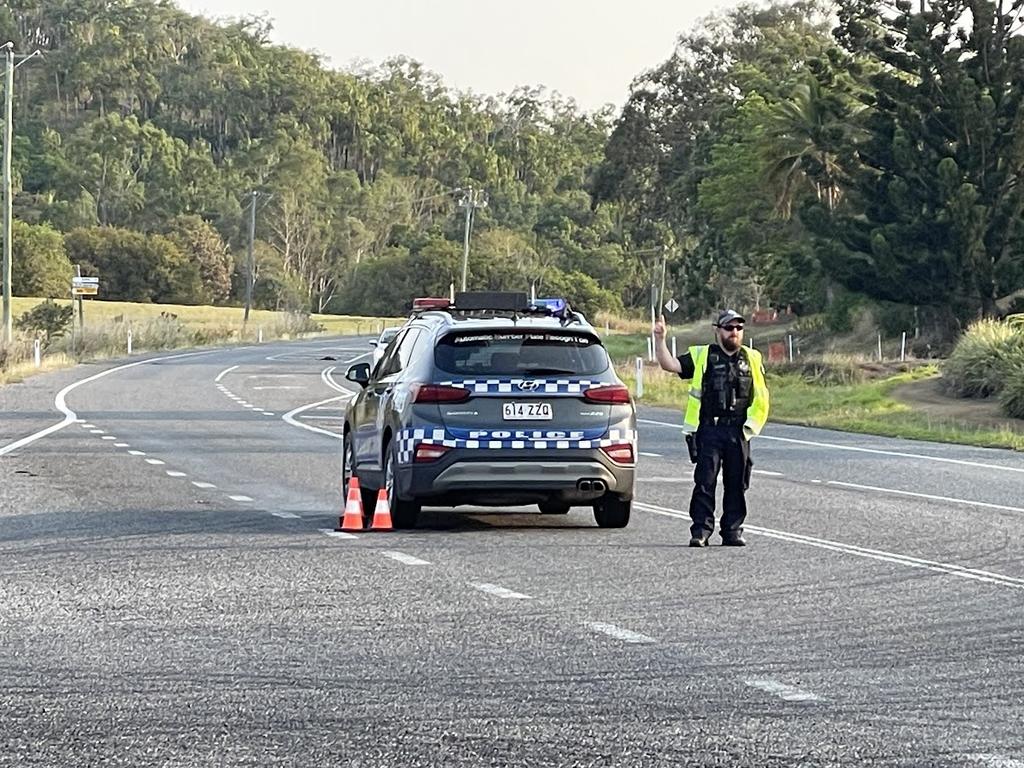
(928, 398)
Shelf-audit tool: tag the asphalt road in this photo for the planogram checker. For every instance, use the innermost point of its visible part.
(172, 594)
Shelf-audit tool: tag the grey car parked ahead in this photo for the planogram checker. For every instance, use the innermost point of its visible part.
(493, 401)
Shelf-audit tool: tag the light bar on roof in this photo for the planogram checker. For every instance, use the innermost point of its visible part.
(553, 306)
(430, 303)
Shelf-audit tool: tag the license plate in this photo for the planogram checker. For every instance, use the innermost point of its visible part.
(526, 411)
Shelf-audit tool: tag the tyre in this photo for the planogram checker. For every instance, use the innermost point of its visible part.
(404, 513)
(612, 512)
(348, 463)
(553, 508)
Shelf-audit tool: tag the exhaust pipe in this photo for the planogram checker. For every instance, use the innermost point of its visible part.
(584, 485)
(598, 486)
(592, 486)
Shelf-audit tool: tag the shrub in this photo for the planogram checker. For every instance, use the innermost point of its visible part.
(1011, 398)
(983, 360)
(49, 318)
(826, 370)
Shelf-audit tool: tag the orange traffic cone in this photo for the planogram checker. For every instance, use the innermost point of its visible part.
(352, 520)
(382, 513)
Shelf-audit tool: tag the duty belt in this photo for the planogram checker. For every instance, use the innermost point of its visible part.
(729, 420)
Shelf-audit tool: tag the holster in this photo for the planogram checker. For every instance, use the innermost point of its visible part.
(691, 446)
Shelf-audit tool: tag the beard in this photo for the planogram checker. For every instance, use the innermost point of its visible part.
(729, 343)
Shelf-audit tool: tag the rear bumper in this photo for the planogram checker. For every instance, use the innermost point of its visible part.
(509, 477)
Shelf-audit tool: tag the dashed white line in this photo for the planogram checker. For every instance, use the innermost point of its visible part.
(404, 558)
(155, 462)
(767, 473)
(108, 437)
(337, 534)
(652, 455)
(626, 635)
(137, 453)
(240, 498)
(97, 432)
(120, 445)
(88, 426)
(175, 473)
(507, 594)
(204, 486)
(783, 691)
(994, 761)
(286, 515)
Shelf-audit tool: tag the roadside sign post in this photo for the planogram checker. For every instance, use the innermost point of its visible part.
(639, 377)
(129, 341)
(37, 352)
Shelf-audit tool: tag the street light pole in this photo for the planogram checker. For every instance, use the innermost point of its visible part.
(8, 209)
(471, 201)
(250, 277)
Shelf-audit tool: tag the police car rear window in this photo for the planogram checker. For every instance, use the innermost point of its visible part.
(520, 353)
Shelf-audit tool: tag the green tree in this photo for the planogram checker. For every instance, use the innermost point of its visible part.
(40, 266)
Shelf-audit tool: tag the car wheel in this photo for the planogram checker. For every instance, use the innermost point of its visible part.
(553, 508)
(612, 512)
(404, 513)
(348, 463)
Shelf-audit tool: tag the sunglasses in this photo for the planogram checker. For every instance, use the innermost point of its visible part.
(731, 328)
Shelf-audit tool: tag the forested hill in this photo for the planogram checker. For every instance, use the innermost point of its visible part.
(773, 158)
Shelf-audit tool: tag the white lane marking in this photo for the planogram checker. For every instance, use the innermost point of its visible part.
(783, 691)
(289, 417)
(70, 417)
(994, 761)
(641, 479)
(224, 373)
(323, 418)
(240, 498)
(767, 473)
(137, 453)
(268, 413)
(327, 376)
(120, 445)
(285, 515)
(271, 375)
(928, 496)
(626, 635)
(204, 486)
(858, 449)
(88, 426)
(293, 386)
(654, 455)
(155, 462)
(494, 589)
(175, 473)
(337, 534)
(97, 432)
(949, 569)
(404, 558)
(108, 437)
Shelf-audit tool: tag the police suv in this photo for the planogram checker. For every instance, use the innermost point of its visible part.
(493, 400)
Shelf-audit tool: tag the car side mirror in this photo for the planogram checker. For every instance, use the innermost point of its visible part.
(359, 373)
(373, 342)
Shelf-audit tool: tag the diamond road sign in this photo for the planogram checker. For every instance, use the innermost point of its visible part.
(671, 305)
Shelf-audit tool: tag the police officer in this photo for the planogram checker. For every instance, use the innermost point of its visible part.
(727, 406)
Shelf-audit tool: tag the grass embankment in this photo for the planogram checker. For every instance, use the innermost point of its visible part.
(165, 326)
(837, 393)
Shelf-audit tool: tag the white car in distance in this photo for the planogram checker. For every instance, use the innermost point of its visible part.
(381, 343)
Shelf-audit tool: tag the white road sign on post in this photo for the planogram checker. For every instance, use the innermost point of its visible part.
(671, 305)
(85, 286)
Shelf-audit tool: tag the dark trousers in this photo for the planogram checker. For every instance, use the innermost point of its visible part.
(722, 448)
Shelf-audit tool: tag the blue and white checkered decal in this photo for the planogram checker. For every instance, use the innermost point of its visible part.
(565, 387)
(529, 439)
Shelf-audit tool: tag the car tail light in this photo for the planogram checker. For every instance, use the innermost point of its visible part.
(440, 393)
(426, 452)
(612, 395)
(620, 454)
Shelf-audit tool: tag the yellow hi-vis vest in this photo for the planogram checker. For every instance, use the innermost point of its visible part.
(757, 411)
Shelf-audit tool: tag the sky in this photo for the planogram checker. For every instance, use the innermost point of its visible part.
(586, 50)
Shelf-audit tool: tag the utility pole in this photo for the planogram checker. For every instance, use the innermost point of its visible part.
(250, 277)
(8, 209)
(472, 200)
